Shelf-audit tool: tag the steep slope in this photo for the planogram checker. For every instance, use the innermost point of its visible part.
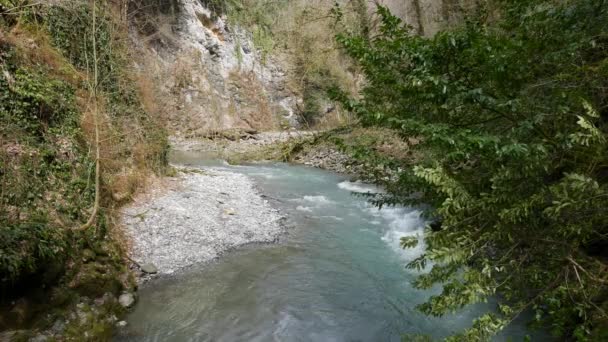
(73, 114)
(208, 71)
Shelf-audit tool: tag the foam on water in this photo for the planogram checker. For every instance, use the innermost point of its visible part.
(359, 187)
(400, 221)
(403, 222)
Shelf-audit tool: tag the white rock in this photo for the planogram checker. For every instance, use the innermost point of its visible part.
(127, 300)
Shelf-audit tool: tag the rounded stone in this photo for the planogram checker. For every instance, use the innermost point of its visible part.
(149, 268)
(127, 300)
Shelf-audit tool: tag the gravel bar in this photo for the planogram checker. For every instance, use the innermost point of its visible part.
(196, 216)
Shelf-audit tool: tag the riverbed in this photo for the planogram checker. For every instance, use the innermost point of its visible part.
(336, 274)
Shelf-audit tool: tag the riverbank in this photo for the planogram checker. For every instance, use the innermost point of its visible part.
(200, 213)
(196, 216)
(333, 150)
(235, 142)
(310, 148)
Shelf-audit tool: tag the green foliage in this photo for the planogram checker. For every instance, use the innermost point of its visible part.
(259, 17)
(71, 33)
(46, 166)
(35, 103)
(511, 114)
(26, 245)
(36, 111)
(312, 103)
(263, 41)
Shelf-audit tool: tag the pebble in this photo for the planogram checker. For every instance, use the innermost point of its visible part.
(329, 159)
(195, 229)
(149, 268)
(58, 327)
(127, 300)
(239, 146)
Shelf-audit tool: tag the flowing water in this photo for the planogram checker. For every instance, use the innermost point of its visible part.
(336, 275)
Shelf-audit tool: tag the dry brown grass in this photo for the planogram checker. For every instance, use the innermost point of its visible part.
(254, 109)
(337, 117)
(127, 153)
(305, 33)
(210, 24)
(386, 142)
(148, 95)
(34, 48)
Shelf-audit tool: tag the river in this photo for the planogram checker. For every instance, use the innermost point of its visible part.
(337, 274)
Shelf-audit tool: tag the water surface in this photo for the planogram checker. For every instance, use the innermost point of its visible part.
(337, 275)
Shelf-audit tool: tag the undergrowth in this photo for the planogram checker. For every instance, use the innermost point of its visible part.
(47, 163)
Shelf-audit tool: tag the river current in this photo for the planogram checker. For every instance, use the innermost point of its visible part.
(337, 274)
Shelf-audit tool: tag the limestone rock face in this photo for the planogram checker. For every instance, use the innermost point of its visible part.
(211, 76)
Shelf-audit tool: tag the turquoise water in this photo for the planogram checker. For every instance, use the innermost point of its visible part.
(336, 275)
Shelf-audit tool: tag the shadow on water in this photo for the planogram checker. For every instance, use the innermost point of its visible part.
(337, 274)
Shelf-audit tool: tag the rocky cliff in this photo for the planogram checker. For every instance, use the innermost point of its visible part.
(211, 76)
(208, 71)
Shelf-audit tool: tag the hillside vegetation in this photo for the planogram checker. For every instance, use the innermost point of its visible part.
(510, 112)
(498, 124)
(76, 142)
(302, 33)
